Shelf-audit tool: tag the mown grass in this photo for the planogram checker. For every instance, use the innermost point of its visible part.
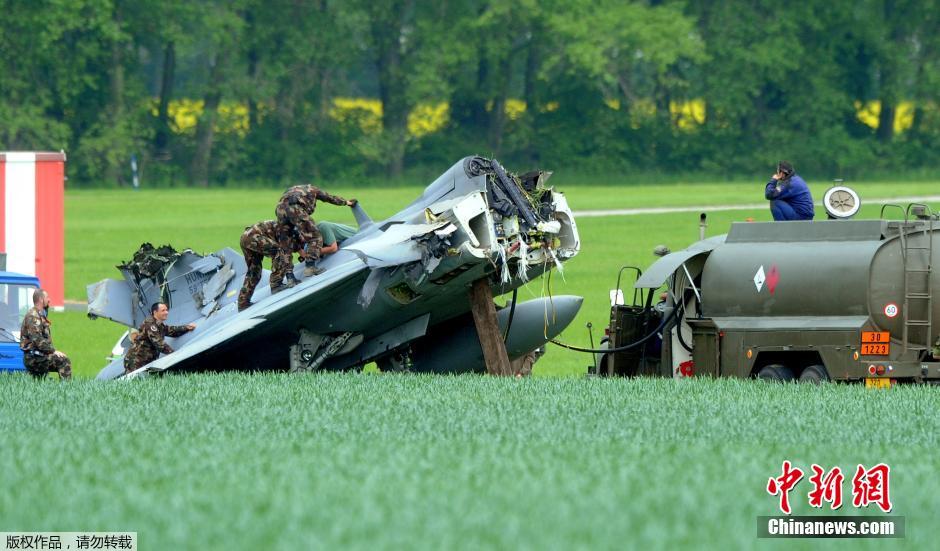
(236, 461)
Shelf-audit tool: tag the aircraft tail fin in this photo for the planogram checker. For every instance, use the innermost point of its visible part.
(362, 218)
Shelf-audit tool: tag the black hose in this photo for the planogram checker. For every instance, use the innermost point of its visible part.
(646, 316)
(663, 324)
(512, 311)
(679, 329)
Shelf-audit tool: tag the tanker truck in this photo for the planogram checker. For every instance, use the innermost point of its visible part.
(848, 300)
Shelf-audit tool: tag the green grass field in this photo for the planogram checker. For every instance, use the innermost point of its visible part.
(397, 461)
(237, 461)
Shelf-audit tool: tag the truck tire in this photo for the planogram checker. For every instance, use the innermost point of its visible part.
(601, 367)
(601, 360)
(814, 374)
(775, 372)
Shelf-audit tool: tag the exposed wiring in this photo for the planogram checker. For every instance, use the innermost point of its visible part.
(523, 265)
(551, 297)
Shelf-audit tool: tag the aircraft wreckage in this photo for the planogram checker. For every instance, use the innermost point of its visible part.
(396, 293)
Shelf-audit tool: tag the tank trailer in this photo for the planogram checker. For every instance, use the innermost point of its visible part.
(848, 300)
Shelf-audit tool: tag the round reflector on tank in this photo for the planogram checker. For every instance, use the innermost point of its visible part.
(841, 202)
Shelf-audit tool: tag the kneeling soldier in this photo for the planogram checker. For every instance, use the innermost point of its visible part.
(39, 356)
(148, 342)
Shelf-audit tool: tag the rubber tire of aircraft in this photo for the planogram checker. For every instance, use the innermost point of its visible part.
(775, 372)
(814, 374)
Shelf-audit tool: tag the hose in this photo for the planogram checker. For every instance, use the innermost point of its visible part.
(512, 311)
(679, 329)
(661, 326)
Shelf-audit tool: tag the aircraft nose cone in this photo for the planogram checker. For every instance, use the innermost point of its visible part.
(536, 321)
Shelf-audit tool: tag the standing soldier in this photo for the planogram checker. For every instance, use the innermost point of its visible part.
(39, 356)
(259, 241)
(293, 214)
(148, 343)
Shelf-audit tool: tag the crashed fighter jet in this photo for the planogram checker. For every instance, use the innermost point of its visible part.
(396, 292)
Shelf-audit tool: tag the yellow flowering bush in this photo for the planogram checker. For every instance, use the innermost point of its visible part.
(869, 111)
(428, 118)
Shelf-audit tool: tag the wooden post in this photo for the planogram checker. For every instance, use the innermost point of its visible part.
(484, 318)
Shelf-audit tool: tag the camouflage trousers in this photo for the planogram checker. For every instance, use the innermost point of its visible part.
(39, 366)
(293, 218)
(130, 362)
(254, 248)
(522, 366)
(137, 357)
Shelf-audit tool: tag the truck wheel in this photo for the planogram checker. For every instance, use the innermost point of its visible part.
(814, 374)
(775, 372)
(601, 360)
(601, 367)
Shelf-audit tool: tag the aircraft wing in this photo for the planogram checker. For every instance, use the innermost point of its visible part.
(266, 320)
(329, 294)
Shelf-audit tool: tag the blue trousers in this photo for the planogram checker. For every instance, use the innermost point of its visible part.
(782, 211)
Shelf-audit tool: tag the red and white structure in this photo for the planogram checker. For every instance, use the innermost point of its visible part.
(32, 217)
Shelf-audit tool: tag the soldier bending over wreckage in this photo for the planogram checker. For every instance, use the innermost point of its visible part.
(294, 211)
(148, 342)
(259, 241)
(39, 356)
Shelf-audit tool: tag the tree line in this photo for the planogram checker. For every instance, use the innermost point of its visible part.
(601, 85)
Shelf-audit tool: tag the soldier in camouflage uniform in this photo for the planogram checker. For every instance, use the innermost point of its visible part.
(39, 356)
(148, 342)
(259, 241)
(522, 366)
(293, 214)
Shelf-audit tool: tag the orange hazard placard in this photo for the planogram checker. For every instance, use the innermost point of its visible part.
(876, 336)
(871, 349)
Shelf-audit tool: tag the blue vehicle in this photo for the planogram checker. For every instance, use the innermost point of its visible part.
(16, 298)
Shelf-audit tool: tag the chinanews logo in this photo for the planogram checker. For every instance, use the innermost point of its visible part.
(870, 492)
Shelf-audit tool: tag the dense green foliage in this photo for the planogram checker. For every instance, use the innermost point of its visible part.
(661, 86)
(397, 461)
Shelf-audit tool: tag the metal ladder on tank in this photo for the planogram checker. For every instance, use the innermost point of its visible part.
(918, 263)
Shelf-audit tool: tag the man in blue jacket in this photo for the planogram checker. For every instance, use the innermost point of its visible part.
(789, 195)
